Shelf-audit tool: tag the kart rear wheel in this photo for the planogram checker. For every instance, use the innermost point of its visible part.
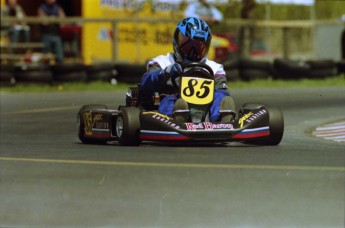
(276, 126)
(128, 126)
(81, 124)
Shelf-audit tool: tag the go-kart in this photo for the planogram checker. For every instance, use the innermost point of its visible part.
(130, 124)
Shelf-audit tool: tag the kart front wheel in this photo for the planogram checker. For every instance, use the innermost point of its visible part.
(276, 123)
(276, 127)
(128, 126)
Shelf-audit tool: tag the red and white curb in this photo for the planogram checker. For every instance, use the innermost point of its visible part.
(334, 131)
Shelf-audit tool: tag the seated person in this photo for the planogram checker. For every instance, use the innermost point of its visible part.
(191, 42)
(13, 9)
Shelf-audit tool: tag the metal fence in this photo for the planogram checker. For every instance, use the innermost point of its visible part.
(281, 38)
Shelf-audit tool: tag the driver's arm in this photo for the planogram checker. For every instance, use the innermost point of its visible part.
(151, 80)
(156, 77)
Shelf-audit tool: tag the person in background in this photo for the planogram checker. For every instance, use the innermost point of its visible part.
(13, 9)
(205, 11)
(246, 33)
(191, 42)
(51, 32)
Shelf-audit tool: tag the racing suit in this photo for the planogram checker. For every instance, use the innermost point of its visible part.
(154, 80)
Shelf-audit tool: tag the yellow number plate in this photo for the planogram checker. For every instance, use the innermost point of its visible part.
(197, 90)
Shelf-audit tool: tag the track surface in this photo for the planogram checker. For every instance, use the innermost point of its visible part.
(48, 178)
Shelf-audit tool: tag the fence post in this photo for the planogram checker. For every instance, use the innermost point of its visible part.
(285, 43)
(115, 49)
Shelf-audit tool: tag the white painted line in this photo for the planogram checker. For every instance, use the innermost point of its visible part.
(30, 111)
(177, 165)
(334, 131)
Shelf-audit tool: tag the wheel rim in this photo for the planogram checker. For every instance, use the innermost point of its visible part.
(119, 126)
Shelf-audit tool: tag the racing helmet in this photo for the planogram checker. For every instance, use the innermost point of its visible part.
(192, 40)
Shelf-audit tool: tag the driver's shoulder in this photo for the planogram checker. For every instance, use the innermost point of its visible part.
(216, 67)
(163, 60)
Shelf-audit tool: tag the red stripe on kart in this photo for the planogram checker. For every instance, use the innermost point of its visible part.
(164, 137)
(251, 135)
(100, 134)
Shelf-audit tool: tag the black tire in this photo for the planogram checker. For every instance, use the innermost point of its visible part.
(7, 78)
(128, 126)
(252, 74)
(249, 64)
(322, 68)
(79, 76)
(343, 44)
(81, 124)
(322, 64)
(31, 67)
(100, 67)
(130, 73)
(101, 75)
(341, 67)
(36, 73)
(233, 75)
(291, 69)
(101, 72)
(5, 67)
(230, 63)
(322, 73)
(67, 68)
(276, 126)
(34, 76)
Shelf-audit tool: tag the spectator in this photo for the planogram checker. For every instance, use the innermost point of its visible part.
(203, 10)
(51, 32)
(13, 9)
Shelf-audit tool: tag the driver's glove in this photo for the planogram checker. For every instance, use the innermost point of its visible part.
(172, 71)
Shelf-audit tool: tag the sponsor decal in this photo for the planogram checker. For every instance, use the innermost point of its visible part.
(244, 118)
(157, 114)
(208, 126)
(104, 34)
(249, 117)
(157, 5)
(90, 122)
(162, 118)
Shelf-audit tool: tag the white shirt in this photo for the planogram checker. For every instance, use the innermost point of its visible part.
(168, 59)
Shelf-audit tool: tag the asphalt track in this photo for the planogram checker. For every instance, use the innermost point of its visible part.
(48, 178)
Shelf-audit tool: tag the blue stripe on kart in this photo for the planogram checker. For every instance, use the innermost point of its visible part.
(161, 135)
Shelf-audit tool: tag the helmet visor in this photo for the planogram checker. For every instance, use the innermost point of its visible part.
(192, 49)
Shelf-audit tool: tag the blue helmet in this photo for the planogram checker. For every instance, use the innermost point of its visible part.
(192, 40)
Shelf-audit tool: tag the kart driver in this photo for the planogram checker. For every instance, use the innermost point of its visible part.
(191, 42)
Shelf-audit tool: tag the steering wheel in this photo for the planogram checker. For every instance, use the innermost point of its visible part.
(199, 64)
(193, 65)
